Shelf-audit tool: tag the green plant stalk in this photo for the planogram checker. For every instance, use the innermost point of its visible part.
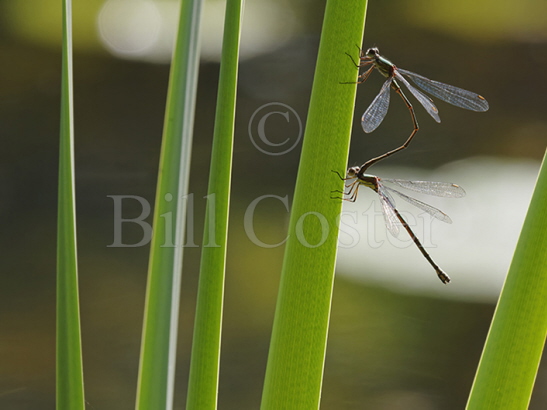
(204, 365)
(70, 380)
(510, 359)
(297, 351)
(158, 350)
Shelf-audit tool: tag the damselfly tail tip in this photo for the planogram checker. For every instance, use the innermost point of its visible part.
(443, 277)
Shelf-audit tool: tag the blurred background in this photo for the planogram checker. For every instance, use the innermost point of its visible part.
(399, 339)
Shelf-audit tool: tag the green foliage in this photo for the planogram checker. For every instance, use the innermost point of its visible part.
(156, 373)
(70, 388)
(512, 353)
(204, 368)
(511, 356)
(297, 352)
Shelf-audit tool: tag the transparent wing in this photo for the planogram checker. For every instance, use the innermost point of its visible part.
(434, 212)
(452, 95)
(426, 102)
(377, 110)
(390, 218)
(444, 189)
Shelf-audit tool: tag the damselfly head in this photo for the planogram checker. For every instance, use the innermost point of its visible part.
(373, 52)
(352, 172)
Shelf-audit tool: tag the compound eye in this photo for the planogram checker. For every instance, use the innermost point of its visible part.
(373, 52)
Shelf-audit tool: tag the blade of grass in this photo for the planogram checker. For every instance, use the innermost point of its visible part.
(70, 381)
(157, 362)
(297, 352)
(204, 365)
(510, 359)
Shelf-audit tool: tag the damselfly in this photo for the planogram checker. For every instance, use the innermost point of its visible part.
(375, 113)
(356, 177)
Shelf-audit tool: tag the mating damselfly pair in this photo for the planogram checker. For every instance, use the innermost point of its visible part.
(374, 115)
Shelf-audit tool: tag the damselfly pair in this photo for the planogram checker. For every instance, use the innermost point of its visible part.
(372, 118)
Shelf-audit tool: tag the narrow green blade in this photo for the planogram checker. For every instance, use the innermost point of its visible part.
(204, 367)
(297, 352)
(70, 382)
(158, 350)
(510, 359)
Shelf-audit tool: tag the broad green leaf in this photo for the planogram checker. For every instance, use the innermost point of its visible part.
(299, 337)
